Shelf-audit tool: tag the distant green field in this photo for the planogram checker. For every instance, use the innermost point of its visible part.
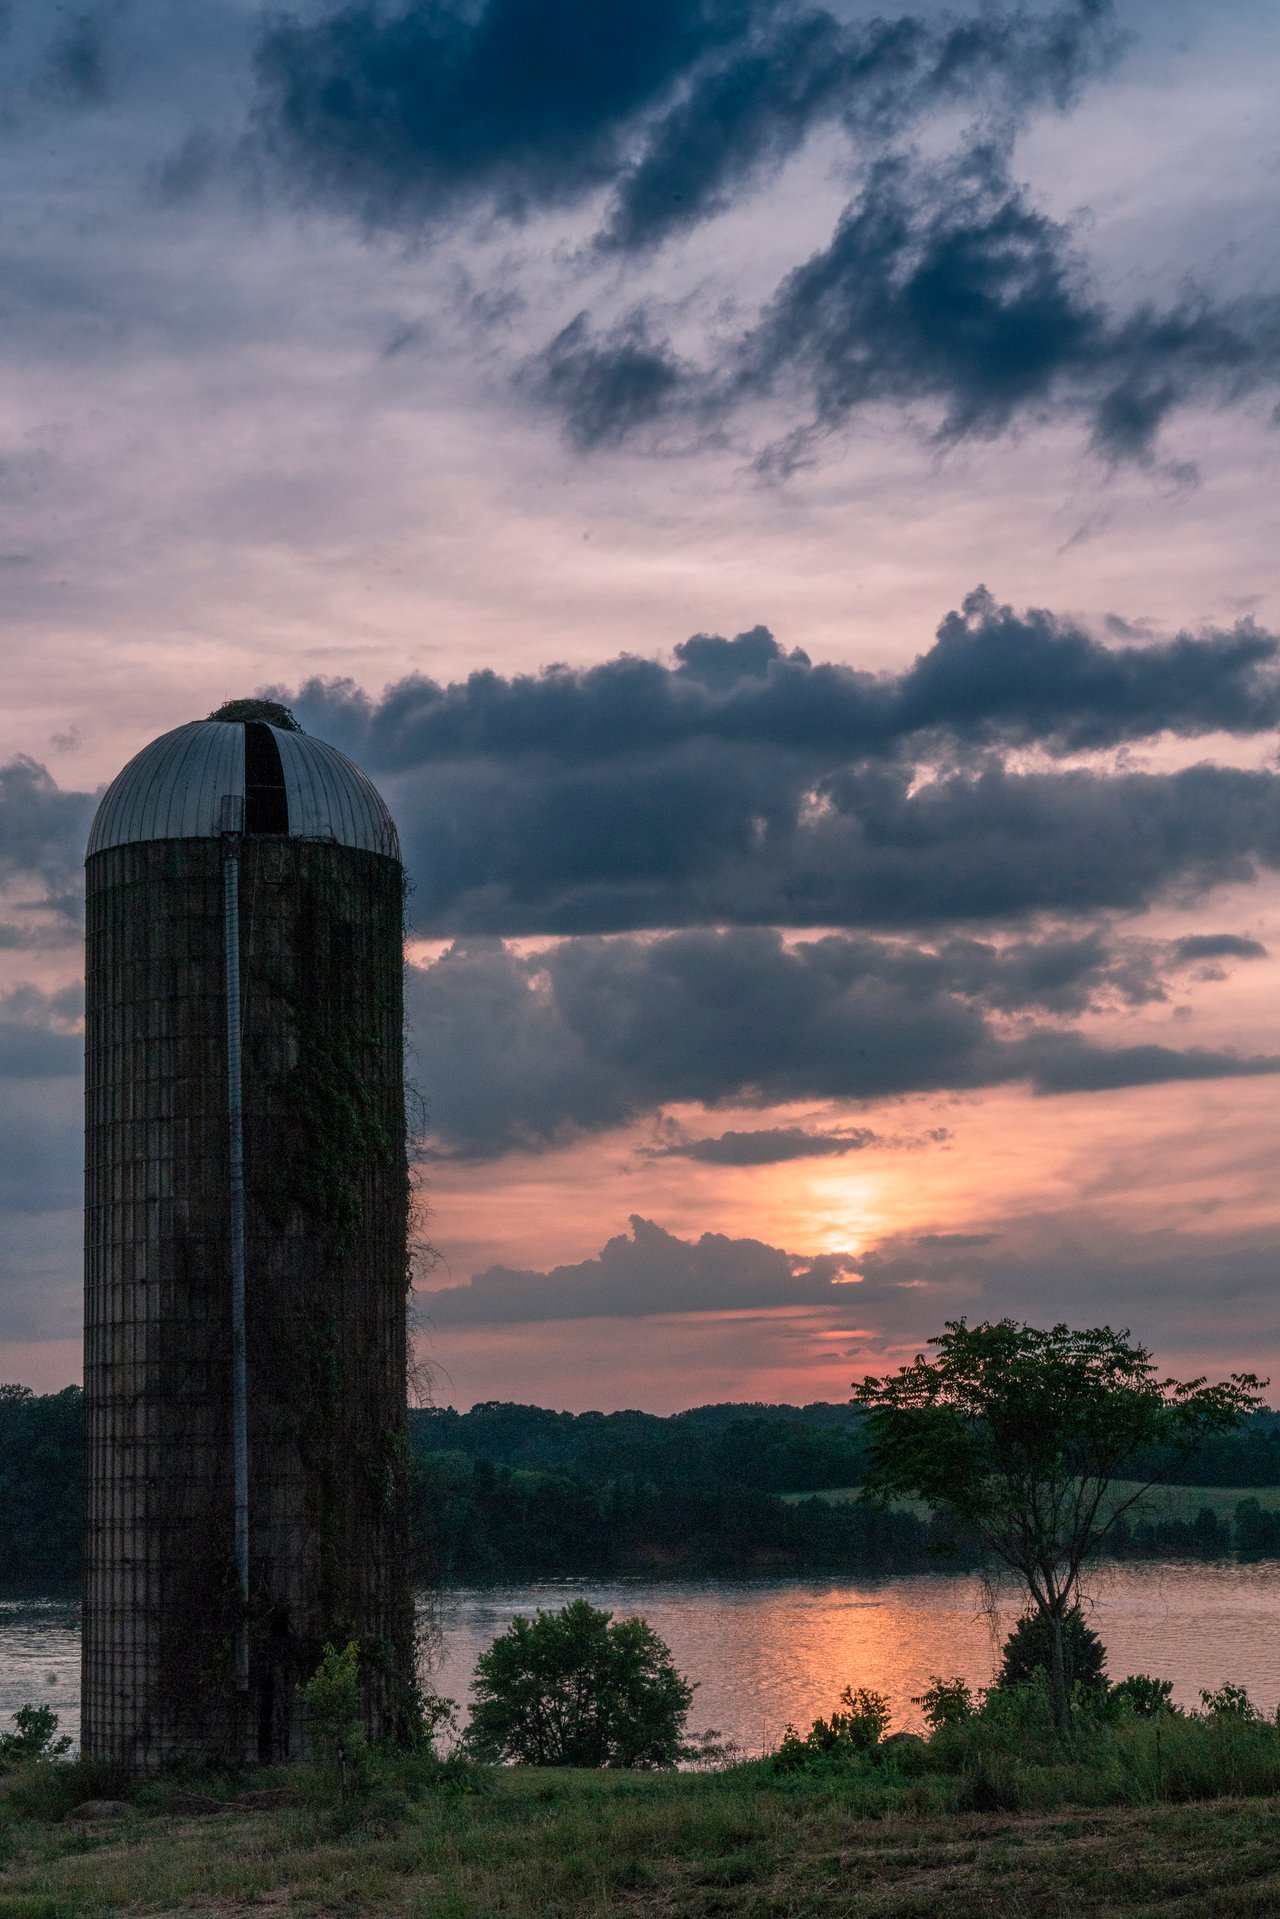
(1184, 1502)
(1161, 1502)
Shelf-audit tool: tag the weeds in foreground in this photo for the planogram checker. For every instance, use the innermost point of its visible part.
(1105, 1821)
(1127, 1746)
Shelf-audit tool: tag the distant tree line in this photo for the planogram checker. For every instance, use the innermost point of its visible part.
(41, 1489)
(508, 1492)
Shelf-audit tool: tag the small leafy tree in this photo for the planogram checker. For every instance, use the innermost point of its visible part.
(33, 1736)
(1145, 1697)
(945, 1702)
(577, 1688)
(1021, 1435)
(331, 1699)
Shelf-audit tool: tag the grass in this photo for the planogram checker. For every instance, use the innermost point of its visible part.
(1184, 1502)
(899, 1837)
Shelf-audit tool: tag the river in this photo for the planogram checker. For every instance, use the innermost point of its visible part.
(765, 1652)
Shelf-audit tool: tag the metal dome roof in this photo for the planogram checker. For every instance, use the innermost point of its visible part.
(175, 788)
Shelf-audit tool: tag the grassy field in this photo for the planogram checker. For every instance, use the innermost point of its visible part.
(1161, 1502)
(540, 1845)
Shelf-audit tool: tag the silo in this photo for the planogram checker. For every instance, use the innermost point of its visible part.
(245, 1235)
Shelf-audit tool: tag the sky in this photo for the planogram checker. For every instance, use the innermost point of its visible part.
(781, 498)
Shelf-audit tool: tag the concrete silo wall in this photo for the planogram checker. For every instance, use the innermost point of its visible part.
(321, 969)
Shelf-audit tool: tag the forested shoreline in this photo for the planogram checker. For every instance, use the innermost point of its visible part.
(508, 1492)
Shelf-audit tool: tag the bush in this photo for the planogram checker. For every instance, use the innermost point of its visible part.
(34, 1737)
(1229, 1702)
(1029, 1650)
(847, 1736)
(945, 1702)
(331, 1699)
(576, 1688)
(1143, 1696)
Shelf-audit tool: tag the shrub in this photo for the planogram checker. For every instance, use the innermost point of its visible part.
(1229, 1702)
(1143, 1696)
(846, 1736)
(1029, 1650)
(331, 1699)
(33, 1738)
(576, 1688)
(945, 1702)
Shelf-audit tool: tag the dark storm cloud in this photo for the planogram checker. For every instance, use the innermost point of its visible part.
(526, 101)
(1171, 1286)
(77, 59)
(746, 784)
(952, 288)
(745, 116)
(42, 837)
(1175, 1288)
(651, 1271)
(38, 1039)
(675, 105)
(766, 1146)
(530, 1051)
(42, 828)
(1196, 947)
(992, 677)
(944, 289)
(603, 389)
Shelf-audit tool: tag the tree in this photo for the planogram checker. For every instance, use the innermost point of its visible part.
(574, 1688)
(1029, 1649)
(331, 1700)
(33, 1736)
(1021, 1436)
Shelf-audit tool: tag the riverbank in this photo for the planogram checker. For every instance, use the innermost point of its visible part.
(767, 1651)
(539, 1845)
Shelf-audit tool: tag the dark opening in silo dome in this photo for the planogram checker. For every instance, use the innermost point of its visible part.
(270, 711)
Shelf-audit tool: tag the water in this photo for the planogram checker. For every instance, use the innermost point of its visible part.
(40, 1659)
(768, 1653)
(765, 1652)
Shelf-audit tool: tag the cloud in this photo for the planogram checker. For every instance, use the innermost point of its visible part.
(744, 784)
(42, 838)
(993, 677)
(404, 113)
(671, 108)
(1196, 947)
(1171, 1286)
(1177, 1289)
(745, 116)
(651, 1271)
(42, 828)
(39, 1036)
(77, 59)
(766, 1146)
(528, 1051)
(945, 289)
(605, 388)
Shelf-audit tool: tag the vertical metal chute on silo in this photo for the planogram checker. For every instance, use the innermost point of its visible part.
(244, 1322)
(232, 823)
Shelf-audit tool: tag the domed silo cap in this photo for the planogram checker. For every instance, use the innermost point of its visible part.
(251, 766)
